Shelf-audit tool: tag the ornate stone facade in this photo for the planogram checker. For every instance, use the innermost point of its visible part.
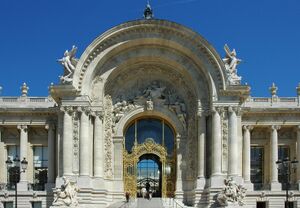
(150, 69)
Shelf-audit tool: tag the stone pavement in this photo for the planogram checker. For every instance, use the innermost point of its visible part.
(140, 203)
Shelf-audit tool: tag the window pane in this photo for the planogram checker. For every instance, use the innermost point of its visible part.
(129, 138)
(149, 128)
(8, 204)
(283, 153)
(36, 204)
(257, 158)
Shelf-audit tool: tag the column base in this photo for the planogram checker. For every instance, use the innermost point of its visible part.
(249, 186)
(275, 186)
(201, 183)
(217, 181)
(22, 186)
(84, 182)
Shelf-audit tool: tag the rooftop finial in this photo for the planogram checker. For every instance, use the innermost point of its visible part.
(148, 12)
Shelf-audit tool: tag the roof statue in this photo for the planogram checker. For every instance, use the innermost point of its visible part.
(69, 62)
(231, 62)
(148, 12)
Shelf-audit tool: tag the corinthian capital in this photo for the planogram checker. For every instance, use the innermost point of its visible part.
(22, 127)
(248, 127)
(99, 114)
(86, 110)
(275, 127)
(217, 109)
(67, 109)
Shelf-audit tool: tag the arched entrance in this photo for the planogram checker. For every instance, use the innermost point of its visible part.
(149, 169)
(149, 156)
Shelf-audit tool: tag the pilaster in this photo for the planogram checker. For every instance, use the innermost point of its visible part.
(98, 145)
(2, 158)
(84, 141)
(233, 143)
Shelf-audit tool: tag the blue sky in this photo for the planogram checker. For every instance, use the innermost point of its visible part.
(34, 33)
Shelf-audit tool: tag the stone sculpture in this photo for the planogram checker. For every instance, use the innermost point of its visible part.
(66, 196)
(69, 62)
(231, 62)
(152, 94)
(232, 194)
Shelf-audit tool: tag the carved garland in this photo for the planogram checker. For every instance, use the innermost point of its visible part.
(76, 142)
(224, 120)
(108, 121)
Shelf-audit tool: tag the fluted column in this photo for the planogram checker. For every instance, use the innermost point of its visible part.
(23, 154)
(216, 142)
(67, 140)
(247, 156)
(98, 145)
(84, 143)
(179, 163)
(51, 151)
(274, 157)
(233, 143)
(298, 154)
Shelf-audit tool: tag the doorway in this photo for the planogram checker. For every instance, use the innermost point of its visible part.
(149, 172)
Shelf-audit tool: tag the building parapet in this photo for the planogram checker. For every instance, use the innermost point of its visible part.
(26, 102)
(272, 102)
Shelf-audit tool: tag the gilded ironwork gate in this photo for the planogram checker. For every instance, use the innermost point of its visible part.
(130, 161)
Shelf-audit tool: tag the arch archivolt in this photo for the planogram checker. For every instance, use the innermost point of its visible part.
(159, 34)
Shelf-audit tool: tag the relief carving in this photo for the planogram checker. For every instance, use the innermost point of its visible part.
(76, 142)
(224, 120)
(108, 124)
(154, 93)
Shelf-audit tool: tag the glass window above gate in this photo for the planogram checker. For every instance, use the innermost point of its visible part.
(156, 129)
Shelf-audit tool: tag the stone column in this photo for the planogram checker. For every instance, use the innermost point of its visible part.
(84, 143)
(67, 143)
(179, 164)
(232, 143)
(51, 152)
(98, 145)
(201, 149)
(275, 185)
(247, 157)
(298, 155)
(216, 170)
(23, 184)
